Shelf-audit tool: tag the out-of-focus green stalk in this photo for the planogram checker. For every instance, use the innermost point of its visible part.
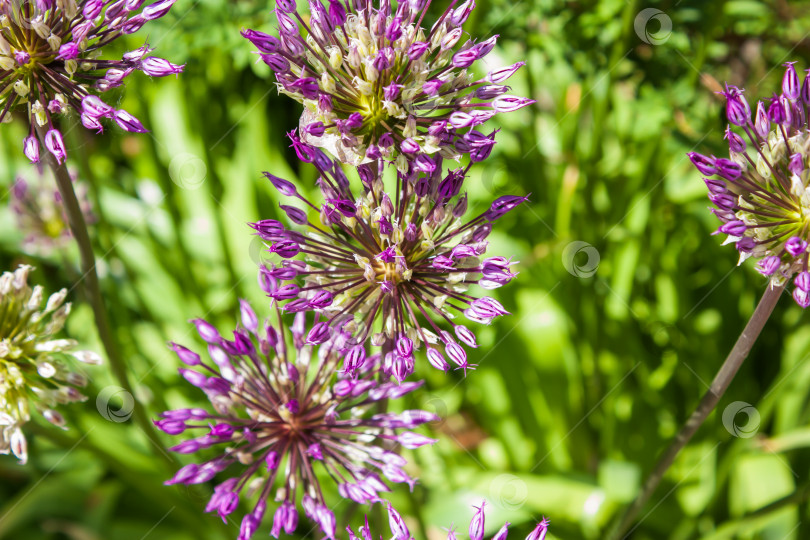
(78, 228)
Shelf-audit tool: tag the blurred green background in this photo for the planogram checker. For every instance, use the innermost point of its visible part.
(624, 308)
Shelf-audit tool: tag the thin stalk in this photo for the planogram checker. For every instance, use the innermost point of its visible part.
(707, 404)
(78, 228)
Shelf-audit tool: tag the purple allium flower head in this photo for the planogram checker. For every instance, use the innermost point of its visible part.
(391, 270)
(282, 409)
(380, 64)
(761, 193)
(38, 372)
(400, 531)
(40, 215)
(49, 62)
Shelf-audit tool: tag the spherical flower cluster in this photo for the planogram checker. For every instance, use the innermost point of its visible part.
(374, 83)
(40, 215)
(761, 193)
(400, 531)
(37, 371)
(50, 63)
(386, 263)
(283, 408)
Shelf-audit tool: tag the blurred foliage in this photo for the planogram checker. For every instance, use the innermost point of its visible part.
(577, 392)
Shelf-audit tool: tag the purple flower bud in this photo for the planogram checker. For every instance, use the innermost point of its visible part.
(465, 335)
(795, 246)
(539, 532)
(67, 51)
(417, 49)
(477, 523)
(171, 427)
(504, 204)
(404, 346)
(767, 266)
(158, 67)
(354, 359)
(790, 82)
(733, 228)
(485, 47)
(795, 164)
(508, 103)
(706, 165)
(337, 13)
(397, 524)
(801, 297)
(318, 334)
(55, 145)
(157, 10)
(183, 474)
(490, 91)
(296, 215)
(195, 378)
(409, 146)
(285, 248)
(95, 107)
(186, 356)
(802, 281)
(412, 441)
(31, 148)
(776, 111)
(735, 142)
(462, 13)
(92, 9)
(127, 122)
(285, 187)
(500, 75)
(424, 163)
(130, 26)
(762, 125)
(277, 63)
(503, 532)
(728, 169)
(737, 110)
(264, 42)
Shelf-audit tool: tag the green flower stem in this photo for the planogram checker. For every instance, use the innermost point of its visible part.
(707, 404)
(78, 228)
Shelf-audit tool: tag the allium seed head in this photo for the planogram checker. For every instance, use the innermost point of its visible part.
(761, 193)
(391, 261)
(50, 62)
(37, 372)
(374, 83)
(282, 409)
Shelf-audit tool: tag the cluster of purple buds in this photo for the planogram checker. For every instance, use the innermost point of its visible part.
(282, 408)
(50, 63)
(390, 264)
(760, 193)
(399, 530)
(374, 83)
